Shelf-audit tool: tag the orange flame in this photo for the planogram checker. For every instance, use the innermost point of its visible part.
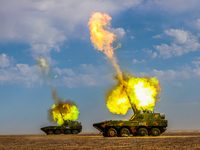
(63, 112)
(142, 92)
(101, 38)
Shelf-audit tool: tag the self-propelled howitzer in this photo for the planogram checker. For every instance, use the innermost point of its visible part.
(68, 127)
(140, 123)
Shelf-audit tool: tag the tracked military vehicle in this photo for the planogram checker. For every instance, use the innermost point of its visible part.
(68, 127)
(140, 123)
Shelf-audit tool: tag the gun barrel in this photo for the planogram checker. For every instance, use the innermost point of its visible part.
(133, 106)
(61, 114)
(135, 111)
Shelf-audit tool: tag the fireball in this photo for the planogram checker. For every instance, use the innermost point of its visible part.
(141, 91)
(117, 101)
(63, 112)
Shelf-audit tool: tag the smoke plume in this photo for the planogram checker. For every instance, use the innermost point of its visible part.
(44, 69)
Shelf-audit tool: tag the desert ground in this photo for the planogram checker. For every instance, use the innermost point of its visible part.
(168, 140)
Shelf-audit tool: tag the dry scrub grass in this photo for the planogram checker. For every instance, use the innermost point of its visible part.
(169, 140)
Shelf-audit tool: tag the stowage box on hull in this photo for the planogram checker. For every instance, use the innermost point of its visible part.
(68, 127)
(139, 124)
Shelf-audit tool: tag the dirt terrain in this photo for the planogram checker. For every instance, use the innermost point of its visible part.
(168, 140)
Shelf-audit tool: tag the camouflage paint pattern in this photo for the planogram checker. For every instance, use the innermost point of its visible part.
(68, 125)
(145, 120)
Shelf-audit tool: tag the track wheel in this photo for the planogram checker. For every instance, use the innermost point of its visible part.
(111, 132)
(67, 132)
(124, 132)
(57, 132)
(74, 132)
(142, 132)
(49, 132)
(155, 132)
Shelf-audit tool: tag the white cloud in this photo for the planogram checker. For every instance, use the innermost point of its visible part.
(154, 55)
(157, 36)
(67, 71)
(118, 31)
(43, 49)
(167, 75)
(168, 51)
(148, 29)
(173, 77)
(89, 76)
(151, 53)
(128, 3)
(135, 61)
(197, 23)
(27, 76)
(90, 69)
(5, 61)
(184, 42)
(196, 63)
(45, 25)
(172, 6)
(180, 35)
(143, 61)
(20, 74)
(51, 21)
(79, 80)
(196, 72)
(132, 37)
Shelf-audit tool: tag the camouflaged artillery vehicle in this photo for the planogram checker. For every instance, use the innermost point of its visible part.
(142, 124)
(68, 127)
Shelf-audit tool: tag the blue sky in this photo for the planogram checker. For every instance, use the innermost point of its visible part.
(159, 38)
